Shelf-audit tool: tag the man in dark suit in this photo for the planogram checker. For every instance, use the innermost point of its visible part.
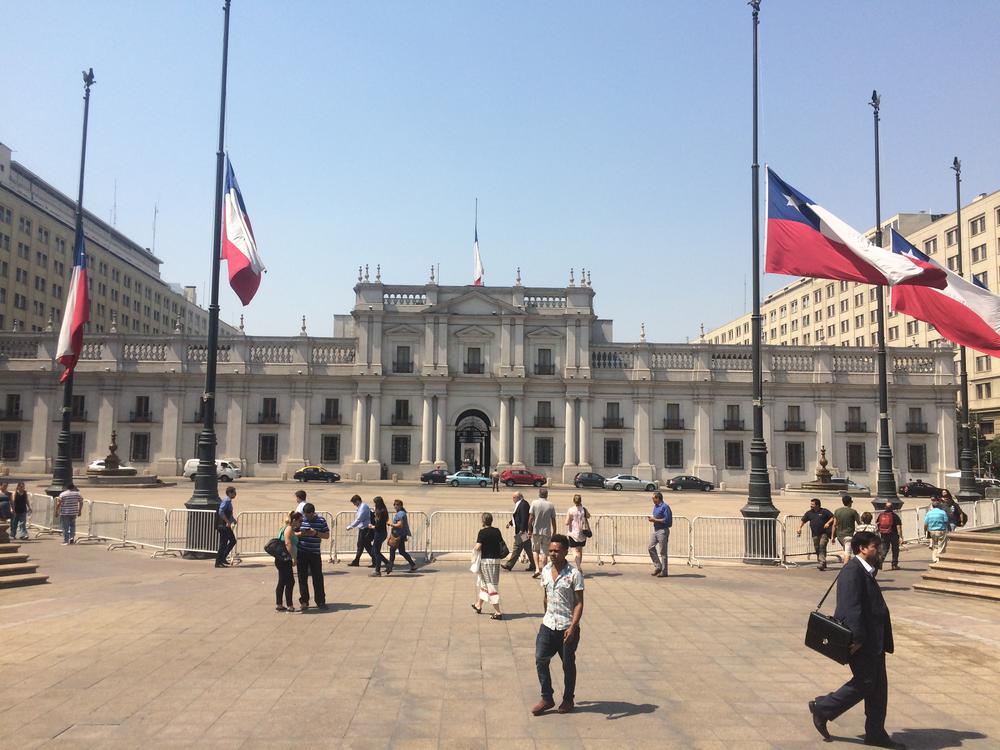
(861, 606)
(522, 534)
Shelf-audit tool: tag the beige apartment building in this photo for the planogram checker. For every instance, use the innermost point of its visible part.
(36, 262)
(810, 312)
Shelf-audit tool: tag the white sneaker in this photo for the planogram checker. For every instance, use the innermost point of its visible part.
(65, 544)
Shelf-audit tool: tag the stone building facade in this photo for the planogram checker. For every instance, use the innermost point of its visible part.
(419, 376)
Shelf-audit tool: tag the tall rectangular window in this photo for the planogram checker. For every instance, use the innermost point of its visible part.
(543, 417)
(673, 419)
(269, 411)
(403, 361)
(330, 449)
(673, 454)
(401, 413)
(267, 448)
(543, 451)
(795, 456)
(856, 457)
(78, 408)
(916, 457)
(13, 410)
(400, 449)
(612, 452)
(138, 451)
(545, 365)
(10, 445)
(613, 418)
(77, 444)
(331, 411)
(473, 361)
(734, 454)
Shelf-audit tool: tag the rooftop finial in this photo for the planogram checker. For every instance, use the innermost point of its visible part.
(589, 283)
(583, 277)
(303, 331)
(432, 273)
(517, 279)
(642, 332)
(49, 325)
(114, 323)
(359, 274)
(378, 274)
(571, 282)
(366, 273)
(177, 324)
(241, 324)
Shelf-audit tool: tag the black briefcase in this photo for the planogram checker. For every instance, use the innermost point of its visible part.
(828, 635)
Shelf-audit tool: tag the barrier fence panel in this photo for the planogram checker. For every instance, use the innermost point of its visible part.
(107, 523)
(455, 531)
(254, 529)
(343, 541)
(146, 527)
(43, 514)
(913, 523)
(971, 511)
(793, 544)
(619, 535)
(192, 531)
(723, 538)
(988, 513)
(418, 528)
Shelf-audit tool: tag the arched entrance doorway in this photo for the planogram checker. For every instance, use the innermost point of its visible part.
(472, 440)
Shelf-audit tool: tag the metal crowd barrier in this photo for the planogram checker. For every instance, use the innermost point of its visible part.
(988, 515)
(43, 517)
(456, 530)
(620, 535)
(192, 531)
(728, 538)
(343, 541)
(255, 528)
(106, 523)
(146, 527)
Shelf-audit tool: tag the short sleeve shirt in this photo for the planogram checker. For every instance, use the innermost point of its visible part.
(560, 596)
(313, 544)
(936, 520)
(489, 539)
(544, 513)
(817, 519)
(847, 519)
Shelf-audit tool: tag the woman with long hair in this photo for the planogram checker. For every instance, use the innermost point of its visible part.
(21, 508)
(577, 522)
(380, 519)
(399, 533)
(286, 580)
(489, 544)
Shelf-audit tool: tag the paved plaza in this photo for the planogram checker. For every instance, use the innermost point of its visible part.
(124, 651)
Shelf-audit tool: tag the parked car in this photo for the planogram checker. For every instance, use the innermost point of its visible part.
(98, 465)
(466, 479)
(435, 476)
(588, 479)
(225, 470)
(628, 482)
(315, 474)
(688, 482)
(919, 488)
(510, 477)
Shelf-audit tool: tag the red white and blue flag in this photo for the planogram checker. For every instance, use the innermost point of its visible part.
(804, 239)
(964, 311)
(239, 249)
(477, 262)
(76, 314)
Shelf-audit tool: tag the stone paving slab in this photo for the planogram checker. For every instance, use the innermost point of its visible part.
(122, 651)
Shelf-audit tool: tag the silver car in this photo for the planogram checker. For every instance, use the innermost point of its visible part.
(629, 482)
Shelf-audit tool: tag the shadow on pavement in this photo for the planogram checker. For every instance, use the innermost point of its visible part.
(520, 615)
(615, 709)
(335, 607)
(935, 739)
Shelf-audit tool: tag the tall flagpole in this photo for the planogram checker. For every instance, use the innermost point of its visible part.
(206, 481)
(967, 489)
(761, 529)
(886, 488)
(62, 467)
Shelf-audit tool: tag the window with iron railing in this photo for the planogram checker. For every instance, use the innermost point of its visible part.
(403, 362)
(401, 414)
(473, 361)
(331, 411)
(545, 365)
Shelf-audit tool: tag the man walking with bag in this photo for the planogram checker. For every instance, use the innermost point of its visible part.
(862, 608)
(522, 534)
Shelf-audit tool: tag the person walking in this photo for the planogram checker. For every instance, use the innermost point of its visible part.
(662, 518)
(890, 529)
(289, 536)
(379, 530)
(542, 519)
(522, 534)
(225, 522)
(7, 508)
(577, 527)
(300, 501)
(69, 507)
(936, 529)
(21, 507)
(956, 516)
(845, 519)
(489, 545)
(559, 632)
(820, 522)
(363, 523)
(309, 561)
(866, 524)
(495, 478)
(398, 535)
(861, 606)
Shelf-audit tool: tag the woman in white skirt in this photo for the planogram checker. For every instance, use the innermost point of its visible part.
(489, 545)
(577, 526)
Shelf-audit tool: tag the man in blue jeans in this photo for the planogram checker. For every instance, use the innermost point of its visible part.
(662, 519)
(225, 520)
(560, 629)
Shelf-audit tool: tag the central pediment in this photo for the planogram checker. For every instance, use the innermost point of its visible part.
(476, 302)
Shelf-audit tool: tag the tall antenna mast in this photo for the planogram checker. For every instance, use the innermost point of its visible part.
(156, 211)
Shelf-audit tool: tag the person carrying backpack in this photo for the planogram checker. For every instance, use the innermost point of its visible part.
(890, 529)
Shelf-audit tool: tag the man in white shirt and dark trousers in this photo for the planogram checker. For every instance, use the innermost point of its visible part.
(362, 520)
(559, 632)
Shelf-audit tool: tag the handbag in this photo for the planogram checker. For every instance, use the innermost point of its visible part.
(828, 635)
(393, 541)
(586, 525)
(504, 549)
(276, 549)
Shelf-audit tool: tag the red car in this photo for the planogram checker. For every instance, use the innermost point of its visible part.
(510, 477)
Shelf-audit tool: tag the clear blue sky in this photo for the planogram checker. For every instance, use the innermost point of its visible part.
(614, 136)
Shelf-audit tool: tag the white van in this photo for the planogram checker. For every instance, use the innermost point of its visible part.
(226, 471)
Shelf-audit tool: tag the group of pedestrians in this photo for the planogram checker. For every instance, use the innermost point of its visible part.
(844, 523)
(376, 527)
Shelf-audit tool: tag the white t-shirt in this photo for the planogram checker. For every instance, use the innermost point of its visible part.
(545, 514)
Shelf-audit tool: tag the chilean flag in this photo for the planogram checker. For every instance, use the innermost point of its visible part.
(239, 249)
(964, 311)
(477, 262)
(804, 239)
(76, 314)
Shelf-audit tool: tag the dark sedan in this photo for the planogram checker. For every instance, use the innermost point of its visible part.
(434, 476)
(919, 488)
(315, 474)
(687, 482)
(588, 479)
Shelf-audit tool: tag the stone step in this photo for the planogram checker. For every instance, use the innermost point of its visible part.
(954, 566)
(29, 579)
(958, 589)
(984, 551)
(6, 548)
(13, 557)
(992, 540)
(948, 577)
(15, 569)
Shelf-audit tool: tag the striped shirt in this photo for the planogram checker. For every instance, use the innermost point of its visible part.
(70, 503)
(313, 544)
(560, 596)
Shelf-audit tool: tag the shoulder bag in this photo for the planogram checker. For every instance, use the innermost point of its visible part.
(504, 549)
(586, 525)
(276, 548)
(828, 635)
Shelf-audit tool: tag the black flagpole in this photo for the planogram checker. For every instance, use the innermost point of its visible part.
(206, 481)
(62, 467)
(886, 489)
(967, 489)
(761, 529)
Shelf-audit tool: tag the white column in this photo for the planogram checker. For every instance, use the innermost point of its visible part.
(570, 454)
(504, 426)
(518, 424)
(584, 431)
(359, 427)
(440, 455)
(426, 432)
(373, 432)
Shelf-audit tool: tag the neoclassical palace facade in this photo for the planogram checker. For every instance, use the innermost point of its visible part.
(418, 376)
